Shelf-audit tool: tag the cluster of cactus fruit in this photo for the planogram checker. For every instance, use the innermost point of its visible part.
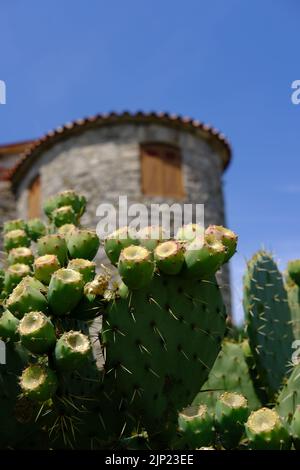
(162, 370)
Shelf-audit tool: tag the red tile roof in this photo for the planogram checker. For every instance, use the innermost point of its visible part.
(210, 134)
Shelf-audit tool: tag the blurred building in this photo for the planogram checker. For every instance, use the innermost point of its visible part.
(153, 157)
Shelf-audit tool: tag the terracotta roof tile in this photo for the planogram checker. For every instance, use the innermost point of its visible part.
(212, 135)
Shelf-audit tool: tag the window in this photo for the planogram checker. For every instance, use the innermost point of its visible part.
(161, 171)
(34, 198)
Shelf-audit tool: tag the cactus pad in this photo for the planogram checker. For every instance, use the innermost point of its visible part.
(268, 322)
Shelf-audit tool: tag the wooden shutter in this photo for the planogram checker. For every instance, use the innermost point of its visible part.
(161, 171)
(34, 198)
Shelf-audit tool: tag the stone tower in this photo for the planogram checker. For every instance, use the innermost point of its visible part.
(151, 158)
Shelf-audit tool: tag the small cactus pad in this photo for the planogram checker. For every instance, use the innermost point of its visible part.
(64, 215)
(197, 426)
(38, 382)
(37, 333)
(15, 239)
(173, 329)
(53, 244)
(269, 325)
(169, 257)
(35, 229)
(72, 350)
(26, 298)
(265, 431)
(17, 224)
(83, 244)
(230, 373)
(230, 415)
(45, 266)
(14, 275)
(293, 292)
(189, 232)
(8, 326)
(224, 235)
(65, 291)
(289, 397)
(203, 259)
(65, 230)
(85, 267)
(151, 236)
(21, 255)
(116, 241)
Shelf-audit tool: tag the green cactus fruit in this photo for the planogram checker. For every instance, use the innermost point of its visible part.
(9, 326)
(295, 428)
(265, 431)
(117, 241)
(136, 267)
(289, 397)
(65, 230)
(293, 292)
(196, 426)
(229, 374)
(21, 255)
(294, 270)
(65, 198)
(14, 274)
(72, 351)
(231, 413)
(15, 239)
(93, 302)
(38, 383)
(65, 291)
(53, 244)
(63, 215)
(36, 229)
(85, 267)
(151, 236)
(173, 329)
(33, 282)
(269, 325)
(122, 290)
(201, 260)
(37, 333)
(26, 298)
(45, 266)
(17, 224)
(169, 257)
(190, 232)
(83, 244)
(224, 235)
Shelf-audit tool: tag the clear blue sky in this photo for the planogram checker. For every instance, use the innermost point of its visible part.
(226, 62)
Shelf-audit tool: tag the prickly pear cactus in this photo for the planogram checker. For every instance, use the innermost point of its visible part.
(268, 322)
(172, 332)
(163, 325)
(18, 428)
(229, 374)
(289, 397)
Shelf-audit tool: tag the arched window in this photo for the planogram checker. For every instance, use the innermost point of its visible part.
(161, 171)
(34, 198)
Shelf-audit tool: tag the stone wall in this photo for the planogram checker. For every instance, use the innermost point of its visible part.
(104, 163)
